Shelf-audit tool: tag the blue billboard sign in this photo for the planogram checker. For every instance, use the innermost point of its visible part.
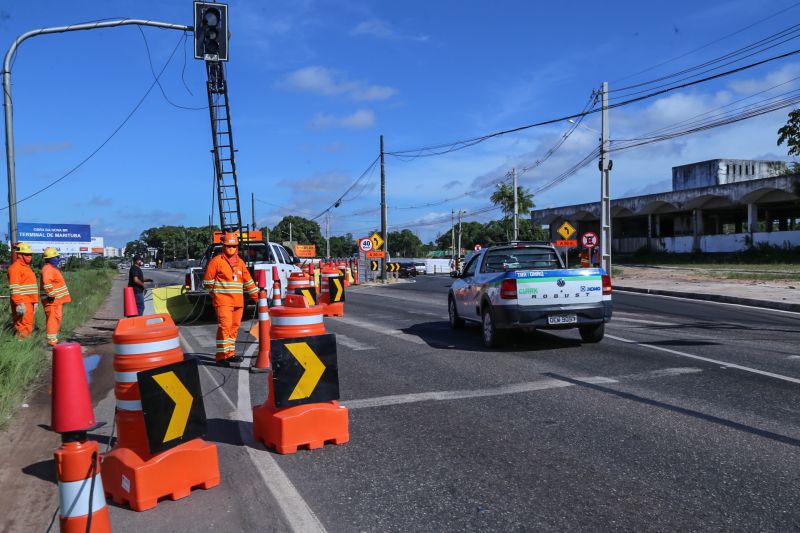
(38, 232)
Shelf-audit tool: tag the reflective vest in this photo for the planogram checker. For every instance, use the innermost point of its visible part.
(22, 282)
(226, 282)
(53, 285)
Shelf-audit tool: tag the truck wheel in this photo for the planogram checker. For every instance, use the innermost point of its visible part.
(456, 322)
(491, 336)
(592, 333)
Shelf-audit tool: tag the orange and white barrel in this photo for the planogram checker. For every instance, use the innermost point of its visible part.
(140, 343)
(296, 319)
(329, 309)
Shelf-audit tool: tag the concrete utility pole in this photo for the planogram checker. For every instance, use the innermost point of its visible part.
(290, 232)
(458, 250)
(253, 208)
(384, 234)
(453, 238)
(327, 234)
(8, 100)
(516, 204)
(605, 190)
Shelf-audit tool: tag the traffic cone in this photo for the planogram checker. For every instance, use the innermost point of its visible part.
(276, 287)
(130, 303)
(261, 279)
(71, 401)
(82, 504)
(262, 363)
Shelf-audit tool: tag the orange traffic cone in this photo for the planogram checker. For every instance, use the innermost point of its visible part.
(262, 361)
(276, 288)
(82, 505)
(130, 308)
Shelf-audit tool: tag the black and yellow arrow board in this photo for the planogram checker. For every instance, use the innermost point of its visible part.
(392, 267)
(308, 293)
(374, 265)
(172, 403)
(304, 370)
(336, 288)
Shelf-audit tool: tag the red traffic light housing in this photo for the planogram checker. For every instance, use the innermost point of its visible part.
(210, 31)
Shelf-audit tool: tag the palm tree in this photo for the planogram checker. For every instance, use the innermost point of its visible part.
(503, 196)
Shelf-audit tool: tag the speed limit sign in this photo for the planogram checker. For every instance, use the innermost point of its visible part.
(589, 239)
(477, 248)
(365, 244)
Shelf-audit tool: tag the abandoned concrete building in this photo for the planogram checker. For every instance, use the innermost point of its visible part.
(722, 205)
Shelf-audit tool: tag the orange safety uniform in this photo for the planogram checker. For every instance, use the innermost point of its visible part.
(54, 295)
(24, 290)
(226, 278)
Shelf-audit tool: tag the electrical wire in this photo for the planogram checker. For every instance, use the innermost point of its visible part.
(153, 72)
(341, 198)
(107, 140)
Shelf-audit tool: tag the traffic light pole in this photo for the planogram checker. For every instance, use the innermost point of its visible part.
(605, 189)
(7, 100)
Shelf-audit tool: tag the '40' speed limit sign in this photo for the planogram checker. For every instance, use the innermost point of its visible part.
(365, 244)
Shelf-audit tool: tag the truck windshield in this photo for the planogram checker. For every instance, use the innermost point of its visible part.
(250, 252)
(510, 259)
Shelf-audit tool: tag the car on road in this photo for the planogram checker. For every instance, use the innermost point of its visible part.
(407, 270)
(421, 267)
(524, 286)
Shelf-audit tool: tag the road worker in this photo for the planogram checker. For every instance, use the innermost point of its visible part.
(226, 278)
(24, 291)
(54, 294)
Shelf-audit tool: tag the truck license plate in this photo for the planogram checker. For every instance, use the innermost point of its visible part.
(562, 319)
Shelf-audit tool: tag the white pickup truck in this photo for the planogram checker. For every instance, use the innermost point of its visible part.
(257, 255)
(524, 285)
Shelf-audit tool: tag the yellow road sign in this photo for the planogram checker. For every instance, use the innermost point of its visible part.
(336, 289)
(308, 294)
(566, 230)
(313, 370)
(183, 404)
(377, 241)
(374, 265)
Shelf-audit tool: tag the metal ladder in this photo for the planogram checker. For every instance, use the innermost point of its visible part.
(230, 214)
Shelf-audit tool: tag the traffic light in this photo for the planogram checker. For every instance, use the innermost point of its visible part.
(210, 31)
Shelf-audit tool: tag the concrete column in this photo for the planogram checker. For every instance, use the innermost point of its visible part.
(657, 226)
(752, 218)
(697, 229)
(650, 231)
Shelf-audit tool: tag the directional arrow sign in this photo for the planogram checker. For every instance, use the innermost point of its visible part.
(336, 288)
(566, 230)
(304, 370)
(309, 294)
(374, 265)
(172, 404)
(377, 241)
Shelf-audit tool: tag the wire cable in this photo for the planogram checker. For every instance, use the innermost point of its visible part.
(153, 72)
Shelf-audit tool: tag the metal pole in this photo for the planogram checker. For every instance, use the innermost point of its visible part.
(327, 234)
(384, 234)
(8, 101)
(453, 238)
(253, 208)
(605, 190)
(516, 205)
(290, 232)
(458, 250)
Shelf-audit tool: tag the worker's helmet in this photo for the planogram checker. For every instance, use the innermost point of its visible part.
(24, 248)
(49, 253)
(231, 239)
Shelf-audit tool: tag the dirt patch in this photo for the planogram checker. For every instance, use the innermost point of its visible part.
(695, 277)
(30, 498)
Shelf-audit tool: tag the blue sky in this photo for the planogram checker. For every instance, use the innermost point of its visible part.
(315, 83)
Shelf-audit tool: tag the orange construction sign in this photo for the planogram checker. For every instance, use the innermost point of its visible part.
(567, 243)
(376, 255)
(305, 250)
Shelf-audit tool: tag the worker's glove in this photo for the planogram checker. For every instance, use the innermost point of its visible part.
(20, 309)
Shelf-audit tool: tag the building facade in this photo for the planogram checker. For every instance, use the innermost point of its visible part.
(722, 205)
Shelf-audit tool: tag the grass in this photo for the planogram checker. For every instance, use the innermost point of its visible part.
(22, 361)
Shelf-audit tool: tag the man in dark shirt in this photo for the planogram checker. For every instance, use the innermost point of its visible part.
(137, 280)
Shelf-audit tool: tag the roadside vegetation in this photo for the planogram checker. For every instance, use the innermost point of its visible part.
(22, 361)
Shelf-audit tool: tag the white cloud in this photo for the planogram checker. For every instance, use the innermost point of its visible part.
(329, 82)
(360, 119)
(384, 30)
(42, 148)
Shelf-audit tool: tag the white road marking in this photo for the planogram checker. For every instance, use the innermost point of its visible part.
(382, 330)
(351, 343)
(708, 359)
(793, 357)
(695, 300)
(514, 388)
(617, 318)
(298, 514)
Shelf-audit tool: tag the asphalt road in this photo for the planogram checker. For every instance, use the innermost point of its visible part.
(684, 418)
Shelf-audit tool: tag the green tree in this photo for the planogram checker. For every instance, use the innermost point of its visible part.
(342, 246)
(304, 231)
(503, 196)
(790, 133)
(404, 244)
(135, 248)
(5, 253)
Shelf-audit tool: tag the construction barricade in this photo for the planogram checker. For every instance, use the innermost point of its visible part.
(301, 284)
(311, 425)
(82, 504)
(134, 475)
(332, 302)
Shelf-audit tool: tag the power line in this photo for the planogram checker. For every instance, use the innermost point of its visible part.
(153, 72)
(339, 200)
(106, 141)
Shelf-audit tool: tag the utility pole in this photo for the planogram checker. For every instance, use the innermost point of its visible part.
(453, 238)
(605, 190)
(327, 234)
(290, 232)
(253, 208)
(8, 100)
(516, 205)
(384, 234)
(458, 250)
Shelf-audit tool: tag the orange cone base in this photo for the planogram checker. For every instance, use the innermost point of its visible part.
(308, 426)
(129, 479)
(336, 309)
(101, 523)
